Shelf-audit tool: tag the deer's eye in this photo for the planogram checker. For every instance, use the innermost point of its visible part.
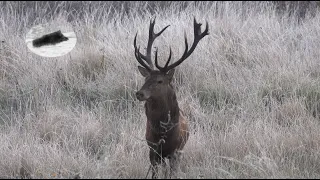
(160, 81)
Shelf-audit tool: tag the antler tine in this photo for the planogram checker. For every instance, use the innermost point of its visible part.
(156, 59)
(152, 37)
(138, 55)
(166, 65)
(197, 37)
(162, 69)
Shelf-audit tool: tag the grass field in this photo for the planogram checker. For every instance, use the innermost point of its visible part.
(250, 90)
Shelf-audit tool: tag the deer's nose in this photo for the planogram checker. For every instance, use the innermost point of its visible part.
(140, 96)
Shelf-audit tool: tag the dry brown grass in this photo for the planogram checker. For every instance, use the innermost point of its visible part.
(250, 90)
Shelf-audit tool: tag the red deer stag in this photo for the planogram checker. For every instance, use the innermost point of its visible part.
(167, 129)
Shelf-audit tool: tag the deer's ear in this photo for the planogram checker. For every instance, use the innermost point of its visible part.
(170, 74)
(144, 72)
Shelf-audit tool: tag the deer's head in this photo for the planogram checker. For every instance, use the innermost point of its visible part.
(157, 82)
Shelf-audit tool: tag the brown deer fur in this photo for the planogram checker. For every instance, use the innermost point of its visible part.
(164, 119)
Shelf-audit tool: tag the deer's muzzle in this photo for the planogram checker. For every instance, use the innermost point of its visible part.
(141, 96)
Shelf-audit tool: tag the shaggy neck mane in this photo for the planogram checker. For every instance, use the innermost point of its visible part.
(162, 112)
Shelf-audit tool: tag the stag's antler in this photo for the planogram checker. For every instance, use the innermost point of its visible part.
(197, 37)
(152, 36)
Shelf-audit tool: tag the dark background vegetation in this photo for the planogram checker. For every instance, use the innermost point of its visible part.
(77, 9)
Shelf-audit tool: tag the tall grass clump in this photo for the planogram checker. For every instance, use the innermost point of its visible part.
(250, 90)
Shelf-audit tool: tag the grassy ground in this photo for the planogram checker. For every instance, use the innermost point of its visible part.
(251, 91)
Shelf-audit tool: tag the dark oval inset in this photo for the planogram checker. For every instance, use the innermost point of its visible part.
(49, 39)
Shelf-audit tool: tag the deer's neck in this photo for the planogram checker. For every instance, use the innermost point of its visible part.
(162, 110)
